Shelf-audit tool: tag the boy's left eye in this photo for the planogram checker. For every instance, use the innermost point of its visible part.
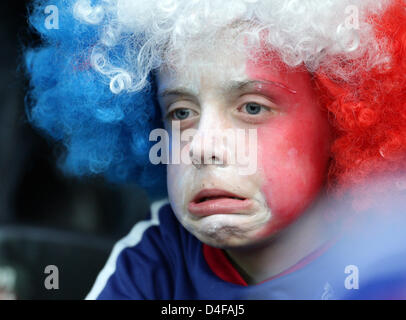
(253, 108)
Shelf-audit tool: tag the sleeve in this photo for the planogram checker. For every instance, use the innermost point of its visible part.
(138, 267)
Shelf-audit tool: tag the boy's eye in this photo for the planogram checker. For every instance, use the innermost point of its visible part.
(181, 114)
(253, 108)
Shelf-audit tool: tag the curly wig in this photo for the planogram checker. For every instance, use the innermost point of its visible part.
(92, 86)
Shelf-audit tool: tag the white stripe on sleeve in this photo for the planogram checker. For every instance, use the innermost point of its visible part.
(132, 239)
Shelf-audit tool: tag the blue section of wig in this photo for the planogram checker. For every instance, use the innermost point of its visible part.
(103, 133)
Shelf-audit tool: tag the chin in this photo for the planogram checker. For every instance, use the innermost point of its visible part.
(229, 231)
(225, 240)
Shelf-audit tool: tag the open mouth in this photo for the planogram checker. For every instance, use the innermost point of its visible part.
(216, 201)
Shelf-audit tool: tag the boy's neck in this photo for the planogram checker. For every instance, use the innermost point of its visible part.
(307, 234)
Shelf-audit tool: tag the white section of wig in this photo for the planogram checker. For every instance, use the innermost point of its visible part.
(153, 32)
(83, 11)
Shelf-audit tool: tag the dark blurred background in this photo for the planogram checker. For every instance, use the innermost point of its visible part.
(45, 217)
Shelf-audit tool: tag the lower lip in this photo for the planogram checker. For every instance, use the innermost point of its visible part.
(219, 206)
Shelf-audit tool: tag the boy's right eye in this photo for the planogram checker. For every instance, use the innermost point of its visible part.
(181, 114)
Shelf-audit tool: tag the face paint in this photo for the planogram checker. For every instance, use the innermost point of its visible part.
(214, 201)
(294, 147)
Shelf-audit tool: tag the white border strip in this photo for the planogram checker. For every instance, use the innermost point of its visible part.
(132, 239)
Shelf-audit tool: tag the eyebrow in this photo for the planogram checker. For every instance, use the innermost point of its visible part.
(177, 92)
(241, 85)
(232, 86)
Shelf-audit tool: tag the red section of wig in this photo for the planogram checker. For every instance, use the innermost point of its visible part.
(368, 113)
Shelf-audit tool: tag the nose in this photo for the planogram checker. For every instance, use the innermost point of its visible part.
(203, 151)
(209, 146)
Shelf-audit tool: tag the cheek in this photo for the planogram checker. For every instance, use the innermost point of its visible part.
(293, 156)
(178, 173)
(175, 183)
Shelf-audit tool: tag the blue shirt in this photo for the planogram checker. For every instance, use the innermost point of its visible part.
(160, 259)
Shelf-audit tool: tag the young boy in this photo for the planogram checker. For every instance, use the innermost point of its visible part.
(316, 83)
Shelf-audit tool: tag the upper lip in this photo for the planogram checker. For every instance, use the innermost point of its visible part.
(212, 193)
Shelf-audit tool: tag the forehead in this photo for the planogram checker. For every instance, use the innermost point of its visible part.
(224, 71)
(214, 67)
(220, 62)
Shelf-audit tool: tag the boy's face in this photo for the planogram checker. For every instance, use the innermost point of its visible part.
(216, 91)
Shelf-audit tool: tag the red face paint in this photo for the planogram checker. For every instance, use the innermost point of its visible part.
(293, 146)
